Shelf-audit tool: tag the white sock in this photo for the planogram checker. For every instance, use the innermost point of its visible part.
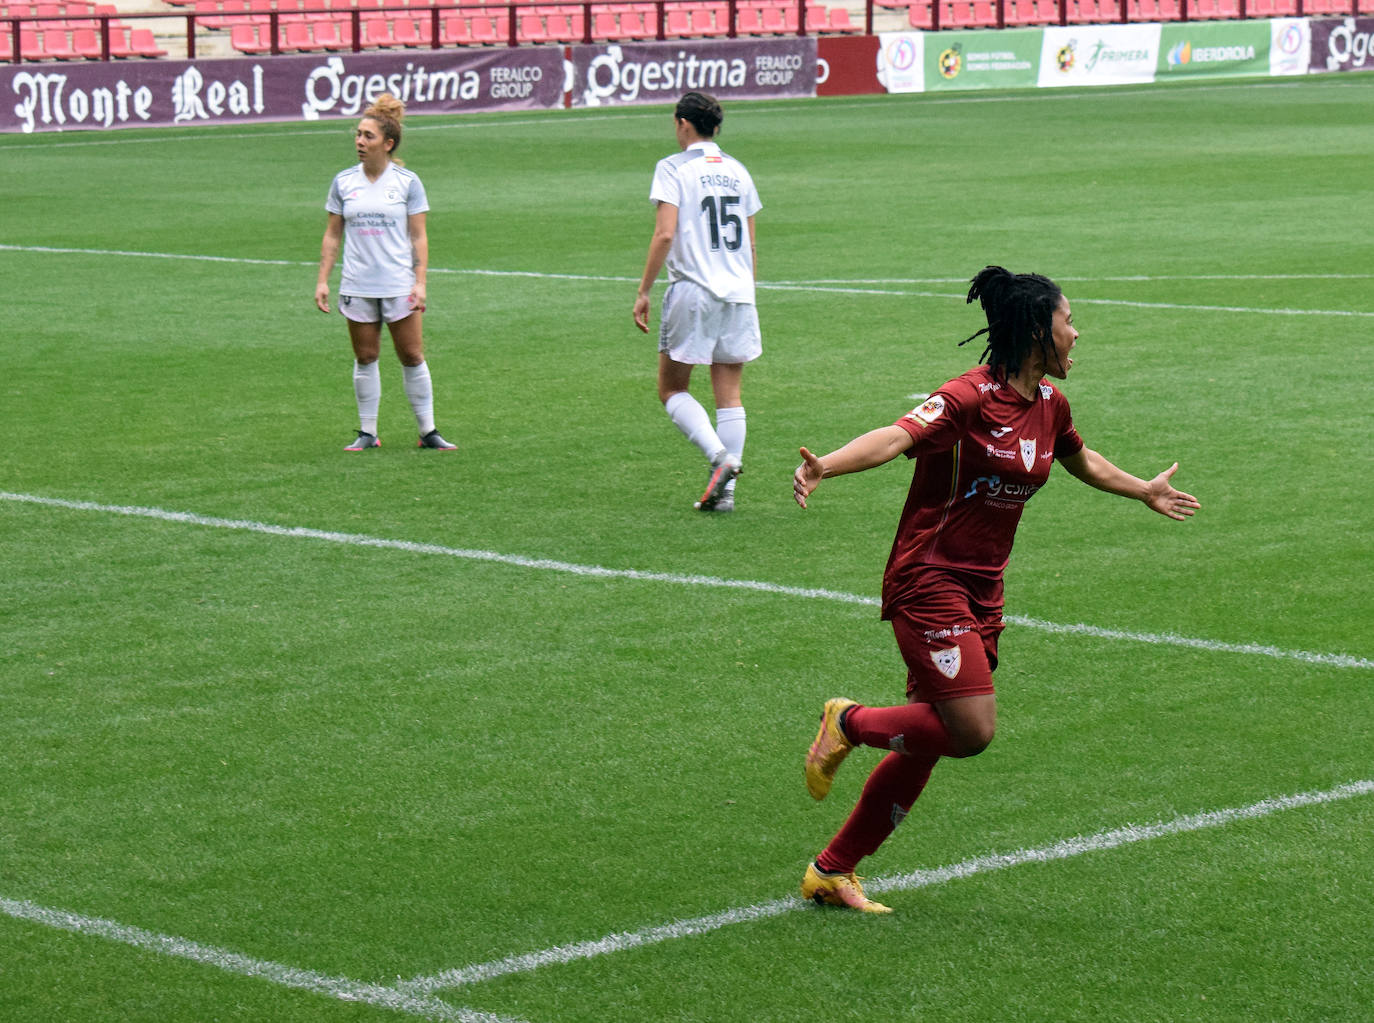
(367, 388)
(730, 427)
(689, 417)
(420, 391)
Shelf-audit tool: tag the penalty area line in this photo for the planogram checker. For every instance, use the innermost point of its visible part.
(672, 578)
(339, 988)
(1065, 849)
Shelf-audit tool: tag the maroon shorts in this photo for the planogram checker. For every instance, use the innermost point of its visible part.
(948, 641)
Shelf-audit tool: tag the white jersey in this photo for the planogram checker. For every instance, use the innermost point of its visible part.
(378, 258)
(714, 196)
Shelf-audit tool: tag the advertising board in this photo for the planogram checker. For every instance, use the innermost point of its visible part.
(1205, 49)
(901, 61)
(625, 73)
(982, 60)
(117, 94)
(1342, 45)
(1098, 55)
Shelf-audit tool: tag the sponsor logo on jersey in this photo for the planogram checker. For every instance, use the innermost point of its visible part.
(947, 662)
(995, 452)
(930, 411)
(993, 486)
(1028, 454)
(1046, 391)
(1000, 432)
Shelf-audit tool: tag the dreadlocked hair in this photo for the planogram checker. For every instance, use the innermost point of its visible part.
(1020, 311)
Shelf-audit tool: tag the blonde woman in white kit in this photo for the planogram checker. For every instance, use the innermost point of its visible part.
(377, 213)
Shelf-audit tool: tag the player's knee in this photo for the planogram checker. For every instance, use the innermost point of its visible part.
(972, 741)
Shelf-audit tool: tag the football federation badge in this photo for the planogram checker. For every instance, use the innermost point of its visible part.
(930, 411)
(1028, 454)
(951, 62)
(947, 662)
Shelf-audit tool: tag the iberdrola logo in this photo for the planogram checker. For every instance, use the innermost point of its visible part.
(951, 61)
(1065, 57)
(1181, 54)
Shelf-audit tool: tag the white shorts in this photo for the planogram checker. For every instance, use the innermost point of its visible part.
(698, 329)
(375, 310)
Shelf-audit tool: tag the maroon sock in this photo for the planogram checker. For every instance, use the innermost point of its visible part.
(912, 728)
(888, 795)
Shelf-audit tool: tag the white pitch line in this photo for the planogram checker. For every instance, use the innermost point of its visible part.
(339, 988)
(826, 287)
(674, 578)
(1126, 278)
(563, 954)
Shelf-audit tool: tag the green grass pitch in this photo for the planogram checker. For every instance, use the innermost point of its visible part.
(291, 771)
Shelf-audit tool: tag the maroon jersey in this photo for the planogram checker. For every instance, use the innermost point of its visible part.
(981, 451)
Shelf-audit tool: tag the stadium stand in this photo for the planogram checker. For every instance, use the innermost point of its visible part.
(68, 30)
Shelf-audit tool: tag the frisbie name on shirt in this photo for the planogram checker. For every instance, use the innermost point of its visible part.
(719, 181)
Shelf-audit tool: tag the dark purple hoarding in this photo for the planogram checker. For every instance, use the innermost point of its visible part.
(65, 97)
(623, 73)
(1343, 45)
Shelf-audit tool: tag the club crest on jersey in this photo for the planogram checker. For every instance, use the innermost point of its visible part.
(930, 411)
(393, 195)
(947, 662)
(1028, 454)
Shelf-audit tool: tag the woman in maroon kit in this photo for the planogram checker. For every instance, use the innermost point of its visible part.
(983, 444)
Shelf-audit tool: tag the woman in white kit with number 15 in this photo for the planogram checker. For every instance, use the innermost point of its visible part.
(704, 232)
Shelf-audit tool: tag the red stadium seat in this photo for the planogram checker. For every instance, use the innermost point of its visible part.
(532, 29)
(377, 31)
(86, 43)
(297, 36)
(333, 35)
(649, 27)
(455, 31)
(245, 37)
(841, 22)
(484, 30)
(409, 33)
(606, 25)
(56, 45)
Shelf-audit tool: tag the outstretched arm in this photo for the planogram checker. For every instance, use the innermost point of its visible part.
(1158, 493)
(873, 448)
